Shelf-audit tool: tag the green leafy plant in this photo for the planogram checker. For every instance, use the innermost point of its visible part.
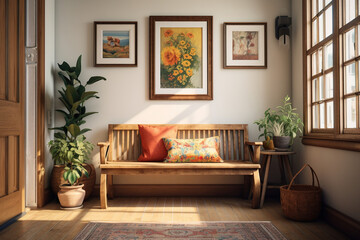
(70, 146)
(72, 154)
(73, 97)
(283, 122)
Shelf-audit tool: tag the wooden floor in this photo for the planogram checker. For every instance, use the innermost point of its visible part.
(52, 223)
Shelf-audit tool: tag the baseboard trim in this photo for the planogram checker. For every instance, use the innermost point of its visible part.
(174, 190)
(11, 221)
(343, 223)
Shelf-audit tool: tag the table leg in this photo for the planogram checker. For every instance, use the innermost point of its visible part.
(288, 168)
(282, 170)
(263, 165)
(268, 160)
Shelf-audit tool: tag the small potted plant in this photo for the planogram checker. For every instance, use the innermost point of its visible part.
(265, 124)
(282, 125)
(69, 148)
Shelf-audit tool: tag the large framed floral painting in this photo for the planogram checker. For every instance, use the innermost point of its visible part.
(115, 44)
(181, 58)
(245, 45)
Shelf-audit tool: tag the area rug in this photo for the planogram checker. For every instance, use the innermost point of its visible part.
(202, 230)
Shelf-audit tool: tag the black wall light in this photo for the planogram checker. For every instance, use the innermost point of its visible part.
(282, 30)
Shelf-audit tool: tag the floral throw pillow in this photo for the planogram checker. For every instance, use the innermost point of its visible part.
(192, 150)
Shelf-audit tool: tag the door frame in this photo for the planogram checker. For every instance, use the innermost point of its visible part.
(42, 196)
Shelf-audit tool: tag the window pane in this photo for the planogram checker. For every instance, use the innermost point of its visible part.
(350, 44)
(314, 63)
(330, 115)
(322, 115)
(314, 90)
(328, 56)
(314, 32)
(350, 10)
(329, 85)
(314, 10)
(329, 22)
(350, 112)
(320, 5)
(316, 116)
(321, 88)
(321, 27)
(328, 1)
(320, 61)
(350, 78)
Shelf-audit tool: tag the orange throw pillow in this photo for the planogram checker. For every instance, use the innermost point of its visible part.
(153, 148)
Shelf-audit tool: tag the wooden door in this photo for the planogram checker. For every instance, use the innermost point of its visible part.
(12, 110)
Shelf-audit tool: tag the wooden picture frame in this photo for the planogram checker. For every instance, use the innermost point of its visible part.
(115, 44)
(181, 58)
(245, 45)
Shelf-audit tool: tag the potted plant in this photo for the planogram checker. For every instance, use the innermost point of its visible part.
(282, 125)
(266, 124)
(69, 148)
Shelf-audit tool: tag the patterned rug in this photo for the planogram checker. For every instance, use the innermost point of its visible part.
(203, 230)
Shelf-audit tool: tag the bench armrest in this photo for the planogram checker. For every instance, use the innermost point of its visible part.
(254, 150)
(104, 146)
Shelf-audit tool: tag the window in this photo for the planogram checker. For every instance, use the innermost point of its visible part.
(331, 73)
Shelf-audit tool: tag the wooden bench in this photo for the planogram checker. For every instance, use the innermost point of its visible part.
(119, 156)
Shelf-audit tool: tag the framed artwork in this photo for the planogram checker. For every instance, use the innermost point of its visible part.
(245, 45)
(181, 58)
(115, 44)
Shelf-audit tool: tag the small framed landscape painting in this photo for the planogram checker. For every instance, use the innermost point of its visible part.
(245, 45)
(181, 58)
(116, 44)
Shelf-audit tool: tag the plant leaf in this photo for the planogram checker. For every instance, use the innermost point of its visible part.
(78, 67)
(64, 66)
(95, 79)
(74, 130)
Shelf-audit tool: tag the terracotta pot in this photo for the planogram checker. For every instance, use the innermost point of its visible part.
(58, 179)
(282, 141)
(71, 196)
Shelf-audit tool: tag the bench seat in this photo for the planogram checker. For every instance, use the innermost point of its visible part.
(233, 146)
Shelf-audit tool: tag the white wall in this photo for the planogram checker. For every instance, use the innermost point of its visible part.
(240, 96)
(338, 170)
(49, 82)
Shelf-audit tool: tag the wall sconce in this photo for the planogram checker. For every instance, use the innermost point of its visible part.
(282, 30)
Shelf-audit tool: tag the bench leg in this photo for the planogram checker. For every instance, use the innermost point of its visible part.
(256, 190)
(247, 187)
(110, 190)
(103, 191)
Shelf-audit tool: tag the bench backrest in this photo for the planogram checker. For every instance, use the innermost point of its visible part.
(125, 143)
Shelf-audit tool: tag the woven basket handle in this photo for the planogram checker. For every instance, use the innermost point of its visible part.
(312, 172)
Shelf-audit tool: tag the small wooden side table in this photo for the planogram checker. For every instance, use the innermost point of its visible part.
(283, 158)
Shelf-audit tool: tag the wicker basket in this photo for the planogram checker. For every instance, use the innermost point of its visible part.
(301, 202)
(57, 179)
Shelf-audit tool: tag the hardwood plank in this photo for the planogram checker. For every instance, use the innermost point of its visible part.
(118, 145)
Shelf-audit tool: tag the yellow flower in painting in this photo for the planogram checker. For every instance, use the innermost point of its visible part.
(181, 71)
(179, 78)
(188, 45)
(168, 33)
(170, 56)
(182, 42)
(186, 63)
(189, 72)
(190, 35)
(187, 56)
(178, 67)
(176, 72)
(192, 51)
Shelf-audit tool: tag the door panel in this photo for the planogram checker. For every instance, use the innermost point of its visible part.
(12, 86)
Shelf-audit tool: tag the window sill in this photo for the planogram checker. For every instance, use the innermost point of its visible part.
(344, 142)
